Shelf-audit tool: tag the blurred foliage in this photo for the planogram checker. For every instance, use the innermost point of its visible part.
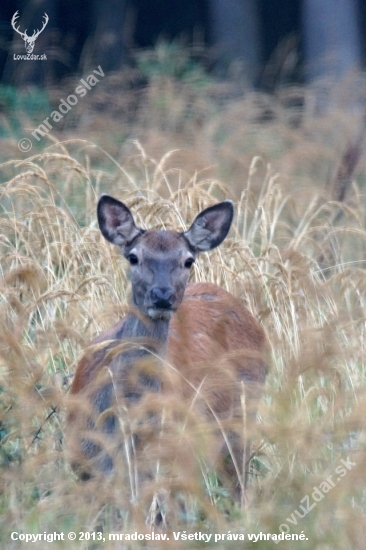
(170, 59)
(296, 258)
(17, 104)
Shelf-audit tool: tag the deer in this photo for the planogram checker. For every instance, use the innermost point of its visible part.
(198, 328)
(29, 41)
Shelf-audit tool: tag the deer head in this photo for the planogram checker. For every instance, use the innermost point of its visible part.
(161, 260)
(29, 40)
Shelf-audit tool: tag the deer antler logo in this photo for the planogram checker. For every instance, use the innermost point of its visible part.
(29, 40)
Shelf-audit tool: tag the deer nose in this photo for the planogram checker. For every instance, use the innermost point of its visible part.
(162, 298)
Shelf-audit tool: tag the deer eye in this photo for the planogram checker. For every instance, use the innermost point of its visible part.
(188, 263)
(133, 259)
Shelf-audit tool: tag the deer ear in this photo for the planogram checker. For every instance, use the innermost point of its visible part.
(116, 221)
(211, 226)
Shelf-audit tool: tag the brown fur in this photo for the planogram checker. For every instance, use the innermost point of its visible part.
(221, 326)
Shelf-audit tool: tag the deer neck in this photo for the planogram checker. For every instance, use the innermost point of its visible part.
(143, 337)
(147, 336)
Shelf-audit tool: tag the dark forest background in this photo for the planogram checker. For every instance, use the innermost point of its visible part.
(301, 39)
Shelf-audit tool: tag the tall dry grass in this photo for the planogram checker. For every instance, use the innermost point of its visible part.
(295, 258)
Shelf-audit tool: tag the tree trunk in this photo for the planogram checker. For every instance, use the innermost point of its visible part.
(108, 20)
(235, 36)
(331, 37)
